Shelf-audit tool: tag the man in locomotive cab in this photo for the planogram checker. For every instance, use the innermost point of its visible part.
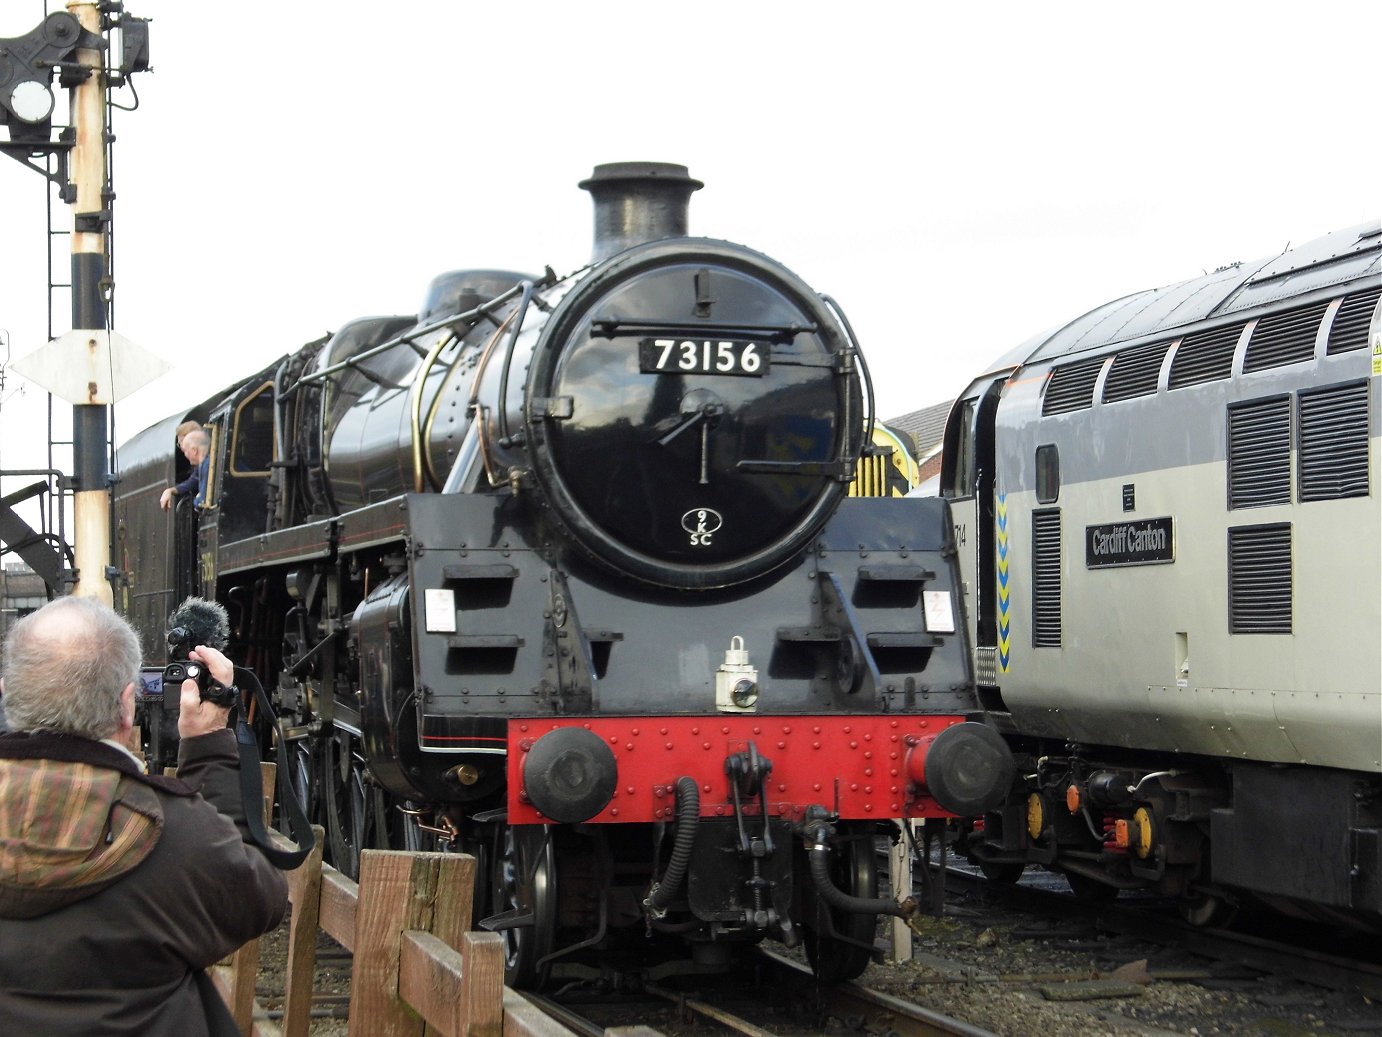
(181, 433)
(190, 425)
(196, 447)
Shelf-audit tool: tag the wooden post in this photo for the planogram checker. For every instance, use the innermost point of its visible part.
(244, 963)
(459, 991)
(244, 967)
(900, 875)
(451, 925)
(480, 1008)
(398, 891)
(455, 909)
(304, 890)
(417, 968)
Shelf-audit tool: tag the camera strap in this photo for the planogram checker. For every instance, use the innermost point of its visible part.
(252, 784)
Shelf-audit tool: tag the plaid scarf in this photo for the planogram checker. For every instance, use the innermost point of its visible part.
(69, 828)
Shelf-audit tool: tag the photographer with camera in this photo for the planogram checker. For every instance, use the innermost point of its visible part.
(117, 888)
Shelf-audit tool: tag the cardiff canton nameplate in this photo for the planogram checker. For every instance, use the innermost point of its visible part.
(1136, 542)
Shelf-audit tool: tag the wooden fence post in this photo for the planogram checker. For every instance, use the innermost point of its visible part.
(399, 891)
(417, 968)
(244, 963)
(459, 991)
(304, 890)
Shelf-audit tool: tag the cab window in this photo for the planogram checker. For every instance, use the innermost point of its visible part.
(252, 449)
(962, 472)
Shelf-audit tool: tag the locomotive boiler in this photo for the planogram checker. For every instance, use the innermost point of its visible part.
(1168, 516)
(563, 572)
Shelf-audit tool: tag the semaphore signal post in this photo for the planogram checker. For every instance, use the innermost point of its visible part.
(90, 366)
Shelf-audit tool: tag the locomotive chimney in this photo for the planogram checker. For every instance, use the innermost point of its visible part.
(637, 202)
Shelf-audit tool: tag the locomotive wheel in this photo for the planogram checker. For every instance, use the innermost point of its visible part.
(854, 872)
(1206, 909)
(1006, 872)
(524, 884)
(1091, 891)
(348, 805)
(303, 778)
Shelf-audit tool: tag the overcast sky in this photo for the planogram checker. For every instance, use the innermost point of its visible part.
(959, 177)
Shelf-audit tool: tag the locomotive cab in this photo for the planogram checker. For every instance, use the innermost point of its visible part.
(243, 459)
(968, 472)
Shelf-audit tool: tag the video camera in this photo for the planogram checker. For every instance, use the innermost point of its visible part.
(180, 642)
(157, 700)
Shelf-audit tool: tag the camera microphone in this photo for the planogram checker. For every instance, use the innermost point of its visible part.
(197, 622)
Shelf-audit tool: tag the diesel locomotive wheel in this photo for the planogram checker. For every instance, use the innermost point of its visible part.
(1090, 890)
(853, 870)
(1006, 872)
(1206, 909)
(524, 896)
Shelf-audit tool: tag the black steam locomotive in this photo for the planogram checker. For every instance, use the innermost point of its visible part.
(562, 572)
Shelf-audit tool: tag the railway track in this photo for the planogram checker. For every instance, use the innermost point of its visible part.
(757, 1009)
(1149, 921)
(1029, 958)
(1005, 960)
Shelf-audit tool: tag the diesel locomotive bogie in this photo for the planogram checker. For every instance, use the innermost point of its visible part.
(1106, 823)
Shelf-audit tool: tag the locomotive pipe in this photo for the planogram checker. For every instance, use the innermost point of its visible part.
(420, 467)
(517, 325)
(688, 813)
(864, 376)
(354, 361)
(817, 856)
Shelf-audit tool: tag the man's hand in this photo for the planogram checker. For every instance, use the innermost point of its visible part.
(196, 717)
(166, 498)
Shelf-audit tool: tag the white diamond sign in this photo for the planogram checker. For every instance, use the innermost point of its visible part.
(91, 366)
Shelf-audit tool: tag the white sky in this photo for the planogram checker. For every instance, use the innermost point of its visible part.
(958, 176)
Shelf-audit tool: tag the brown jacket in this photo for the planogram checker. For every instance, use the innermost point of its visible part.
(115, 887)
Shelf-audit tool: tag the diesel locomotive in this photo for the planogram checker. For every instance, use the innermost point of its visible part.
(563, 572)
(1168, 517)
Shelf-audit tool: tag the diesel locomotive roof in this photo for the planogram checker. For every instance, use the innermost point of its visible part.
(1339, 258)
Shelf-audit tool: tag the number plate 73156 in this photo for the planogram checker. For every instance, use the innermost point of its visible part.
(702, 356)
